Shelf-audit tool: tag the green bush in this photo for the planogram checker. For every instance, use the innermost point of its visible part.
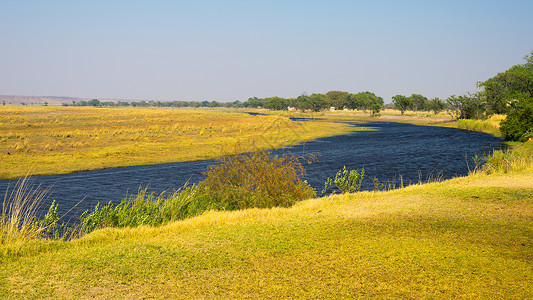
(347, 181)
(257, 179)
(518, 126)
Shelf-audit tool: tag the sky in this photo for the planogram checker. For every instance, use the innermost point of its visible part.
(233, 50)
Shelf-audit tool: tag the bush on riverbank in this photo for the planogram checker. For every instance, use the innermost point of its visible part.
(254, 180)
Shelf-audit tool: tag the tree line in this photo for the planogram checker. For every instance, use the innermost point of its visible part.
(315, 102)
(152, 103)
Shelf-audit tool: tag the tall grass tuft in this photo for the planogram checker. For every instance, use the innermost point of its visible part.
(19, 212)
(508, 161)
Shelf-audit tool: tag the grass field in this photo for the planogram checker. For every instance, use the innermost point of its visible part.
(469, 237)
(56, 140)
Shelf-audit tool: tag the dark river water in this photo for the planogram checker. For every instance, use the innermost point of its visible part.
(392, 151)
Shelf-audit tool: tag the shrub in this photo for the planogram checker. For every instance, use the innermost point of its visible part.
(518, 126)
(347, 181)
(256, 179)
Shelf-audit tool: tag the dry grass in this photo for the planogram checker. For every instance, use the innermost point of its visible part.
(55, 140)
(19, 207)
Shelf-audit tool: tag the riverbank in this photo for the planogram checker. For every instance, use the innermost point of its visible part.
(469, 237)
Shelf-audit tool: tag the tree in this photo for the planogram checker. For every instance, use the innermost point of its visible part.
(215, 104)
(317, 102)
(436, 105)
(518, 126)
(253, 102)
(467, 106)
(514, 84)
(419, 102)
(94, 102)
(367, 100)
(45, 103)
(276, 103)
(402, 103)
(376, 108)
(338, 99)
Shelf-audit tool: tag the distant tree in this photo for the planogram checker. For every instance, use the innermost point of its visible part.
(319, 101)
(235, 103)
(402, 103)
(419, 102)
(94, 102)
(337, 99)
(436, 105)
(45, 103)
(276, 103)
(467, 106)
(376, 108)
(215, 104)
(366, 100)
(353, 102)
(253, 102)
(315, 102)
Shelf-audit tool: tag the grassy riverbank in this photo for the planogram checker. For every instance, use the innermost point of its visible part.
(469, 237)
(57, 140)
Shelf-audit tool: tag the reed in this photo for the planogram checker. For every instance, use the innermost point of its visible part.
(19, 212)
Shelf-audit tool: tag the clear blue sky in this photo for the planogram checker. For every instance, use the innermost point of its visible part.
(232, 50)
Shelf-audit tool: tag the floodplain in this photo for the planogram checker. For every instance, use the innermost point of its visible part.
(58, 140)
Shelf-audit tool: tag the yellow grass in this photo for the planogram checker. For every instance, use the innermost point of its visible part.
(54, 140)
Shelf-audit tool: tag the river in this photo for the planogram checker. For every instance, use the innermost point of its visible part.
(391, 151)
